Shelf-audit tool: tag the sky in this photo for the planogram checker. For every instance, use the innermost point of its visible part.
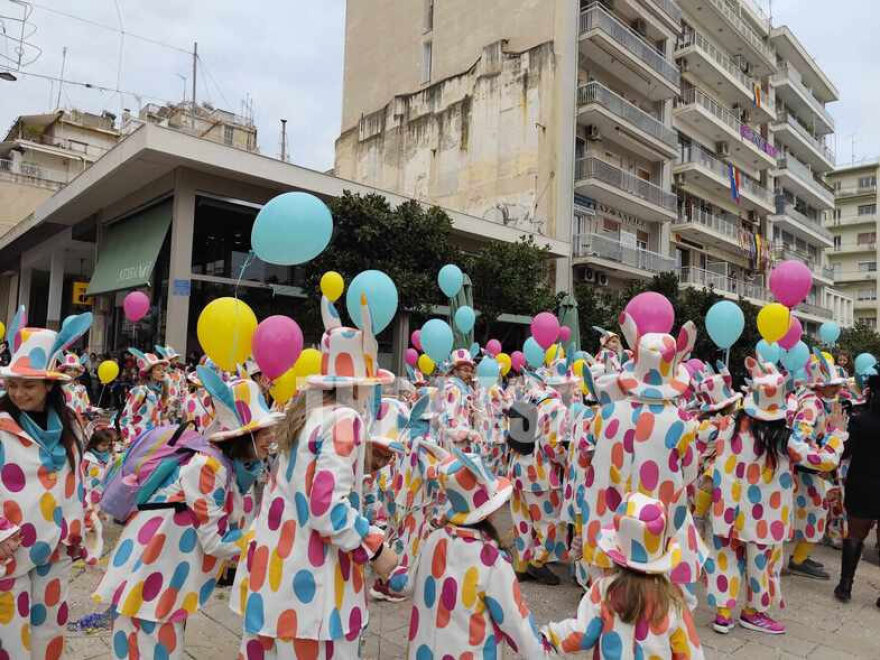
(287, 56)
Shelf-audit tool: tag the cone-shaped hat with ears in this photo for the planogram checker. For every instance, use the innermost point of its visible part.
(36, 352)
(167, 352)
(459, 357)
(602, 380)
(350, 356)
(821, 372)
(657, 371)
(715, 390)
(767, 396)
(238, 404)
(72, 364)
(146, 361)
(559, 374)
(640, 537)
(472, 491)
(605, 335)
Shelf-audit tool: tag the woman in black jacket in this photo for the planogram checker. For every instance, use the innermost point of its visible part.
(862, 486)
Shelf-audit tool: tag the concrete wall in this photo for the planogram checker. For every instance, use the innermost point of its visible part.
(18, 200)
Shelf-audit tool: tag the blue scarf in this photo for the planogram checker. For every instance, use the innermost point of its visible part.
(103, 456)
(246, 473)
(49, 439)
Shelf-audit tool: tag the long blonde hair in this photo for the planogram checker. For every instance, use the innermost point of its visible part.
(295, 416)
(637, 596)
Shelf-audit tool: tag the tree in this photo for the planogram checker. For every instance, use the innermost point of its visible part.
(861, 338)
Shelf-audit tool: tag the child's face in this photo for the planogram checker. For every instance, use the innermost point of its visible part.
(103, 445)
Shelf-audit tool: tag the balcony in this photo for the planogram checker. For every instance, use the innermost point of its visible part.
(610, 253)
(855, 248)
(784, 253)
(844, 276)
(856, 191)
(732, 31)
(716, 229)
(809, 309)
(625, 54)
(801, 225)
(723, 284)
(865, 304)
(794, 135)
(29, 174)
(790, 87)
(696, 167)
(625, 123)
(717, 123)
(798, 178)
(853, 220)
(718, 71)
(622, 190)
(669, 9)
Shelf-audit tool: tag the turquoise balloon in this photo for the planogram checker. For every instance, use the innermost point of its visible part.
(725, 323)
(769, 352)
(381, 298)
(864, 363)
(533, 352)
(796, 359)
(464, 319)
(436, 337)
(488, 371)
(829, 333)
(450, 278)
(291, 229)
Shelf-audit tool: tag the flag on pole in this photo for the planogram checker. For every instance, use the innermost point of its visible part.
(735, 182)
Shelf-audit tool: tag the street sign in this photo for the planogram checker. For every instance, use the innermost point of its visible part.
(79, 294)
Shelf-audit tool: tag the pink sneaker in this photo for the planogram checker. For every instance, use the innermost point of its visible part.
(760, 622)
(723, 624)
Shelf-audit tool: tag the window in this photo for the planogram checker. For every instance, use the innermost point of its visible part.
(837, 214)
(838, 270)
(429, 15)
(642, 240)
(427, 61)
(869, 321)
(837, 242)
(867, 294)
(867, 209)
(228, 134)
(867, 181)
(836, 186)
(867, 238)
(867, 266)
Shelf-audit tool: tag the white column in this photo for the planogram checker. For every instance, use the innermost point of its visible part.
(12, 302)
(24, 287)
(180, 267)
(56, 290)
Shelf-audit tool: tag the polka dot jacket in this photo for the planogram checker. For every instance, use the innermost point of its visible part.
(144, 409)
(45, 506)
(166, 563)
(77, 398)
(303, 575)
(456, 419)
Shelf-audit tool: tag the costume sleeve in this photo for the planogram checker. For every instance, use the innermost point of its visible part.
(687, 452)
(7, 528)
(93, 483)
(331, 511)
(131, 423)
(509, 611)
(683, 639)
(204, 483)
(582, 632)
(802, 447)
(706, 435)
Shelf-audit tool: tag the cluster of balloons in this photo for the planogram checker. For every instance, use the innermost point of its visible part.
(790, 283)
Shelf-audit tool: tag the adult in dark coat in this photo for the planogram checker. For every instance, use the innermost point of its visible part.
(862, 486)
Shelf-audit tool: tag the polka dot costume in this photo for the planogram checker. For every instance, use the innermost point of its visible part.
(456, 419)
(145, 408)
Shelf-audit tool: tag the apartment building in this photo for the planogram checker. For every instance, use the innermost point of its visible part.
(201, 120)
(853, 226)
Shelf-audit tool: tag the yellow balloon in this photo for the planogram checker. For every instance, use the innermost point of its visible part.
(308, 363)
(504, 362)
(108, 370)
(578, 367)
(773, 322)
(2, 329)
(426, 365)
(828, 357)
(289, 383)
(284, 387)
(551, 352)
(225, 329)
(332, 285)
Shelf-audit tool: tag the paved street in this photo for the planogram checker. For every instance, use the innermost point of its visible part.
(819, 627)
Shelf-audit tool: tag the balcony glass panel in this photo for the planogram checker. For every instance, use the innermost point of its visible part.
(606, 247)
(593, 168)
(596, 92)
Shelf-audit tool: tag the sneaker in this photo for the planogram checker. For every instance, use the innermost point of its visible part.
(723, 624)
(809, 561)
(543, 575)
(380, 591)
(760, 622)
(808, 570)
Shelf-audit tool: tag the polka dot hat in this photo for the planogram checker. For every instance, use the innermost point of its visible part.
(72, 364)
(715, 390)
(767, 395)
(559, 374)
(473, 493)
(37, 353)
(461, 356)
(822, 372)
(639, 537)
(238, 404)
(146, 361)
(602, 382)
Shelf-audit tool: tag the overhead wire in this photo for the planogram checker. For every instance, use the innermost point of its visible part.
(94, 86)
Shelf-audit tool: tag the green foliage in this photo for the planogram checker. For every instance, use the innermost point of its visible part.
(859, 339)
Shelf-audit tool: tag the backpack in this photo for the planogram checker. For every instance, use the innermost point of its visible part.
(152, 459)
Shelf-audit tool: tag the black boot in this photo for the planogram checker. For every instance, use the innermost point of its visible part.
(852, 552)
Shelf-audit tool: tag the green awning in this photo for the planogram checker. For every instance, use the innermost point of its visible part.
(128, 251)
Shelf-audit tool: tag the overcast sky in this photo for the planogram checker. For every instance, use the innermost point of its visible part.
(288, 55)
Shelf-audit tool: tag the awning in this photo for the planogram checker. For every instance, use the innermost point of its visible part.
(129, 250)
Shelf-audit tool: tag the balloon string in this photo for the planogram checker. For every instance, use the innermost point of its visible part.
(101, 395)
(247, 262)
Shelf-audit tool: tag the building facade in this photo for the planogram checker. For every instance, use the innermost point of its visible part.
(853, 226)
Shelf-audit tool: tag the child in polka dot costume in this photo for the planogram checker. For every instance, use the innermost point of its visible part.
(177, 383)
(466, 598)
(96, 460)
(613, 622)
(147, 404)
(457, 418)
(41, 492)
(301, 586)
(75, 393)
(173, 550)
(197, 405)
(490, 419)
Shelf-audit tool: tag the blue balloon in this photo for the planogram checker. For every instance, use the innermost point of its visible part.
(769, 352)
(725, 323)
(488, 371)
(534, 353)
(450, 279)
(864, 363)
(796, 359)
(291, 229)
(464, 319)
(381, 298)
(436, 338)
(829, 333)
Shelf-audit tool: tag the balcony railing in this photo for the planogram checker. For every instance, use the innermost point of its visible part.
(596, 92)
(723, 223)
(593, 168)
(670, 9)
(722, 282)
(804, 173)
(855, 220)
(695, 96)
(605, 247)
(815, 310)
(856, 190)
(700, 156)
(31, 173)
(596, 17)
(744, 30)
(794, 77)
(783, 253)
(785, 207)
(801, 130)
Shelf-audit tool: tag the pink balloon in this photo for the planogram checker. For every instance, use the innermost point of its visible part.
(493, 347)
(652, 312)
(416, 339)
(277, 344)
(793, 336)
(564, 334)
(694, 365)
(517, 360)
(791, 282)
(545, 329)
(136, 305)
(412, 357)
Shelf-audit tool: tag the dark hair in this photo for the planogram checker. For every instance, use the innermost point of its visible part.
(240, 448)
(106, 434)
(487, 528)
(873, 386)
(771, 438)
(636, 597)
(69, 423)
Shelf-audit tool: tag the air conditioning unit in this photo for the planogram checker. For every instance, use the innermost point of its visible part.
(602, 279)
(593, 133)
(748, 69)
(640, 26)
(589, 275)
(722, 149)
